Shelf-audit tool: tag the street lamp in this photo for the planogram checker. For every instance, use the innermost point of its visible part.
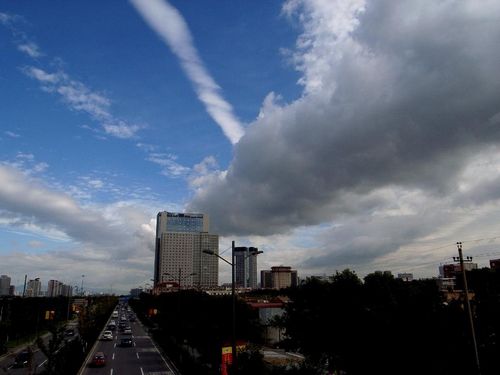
(233, 297)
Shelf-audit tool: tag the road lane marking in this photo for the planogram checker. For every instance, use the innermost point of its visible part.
(144, 350)
(114, 345)
(137, 354)
(142, 372)
(111, 373)
(113, 356)
(41, 364)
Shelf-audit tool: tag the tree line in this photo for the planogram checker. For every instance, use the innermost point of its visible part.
(344, 325)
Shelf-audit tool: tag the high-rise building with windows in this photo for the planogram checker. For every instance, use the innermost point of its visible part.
(245, 261)
(4, 285)
(56, 288)
(179, 257)
(34, 288)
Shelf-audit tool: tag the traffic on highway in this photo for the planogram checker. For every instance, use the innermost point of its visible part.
(124, 348)
(31, 359)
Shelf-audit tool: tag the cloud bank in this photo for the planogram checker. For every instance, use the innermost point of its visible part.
(100, 240)
(399, 100)
(171, 27)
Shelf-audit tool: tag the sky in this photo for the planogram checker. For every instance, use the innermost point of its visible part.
(330, 134)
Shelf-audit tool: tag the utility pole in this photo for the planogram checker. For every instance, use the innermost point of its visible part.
(234, 367)
(24, 289)
(467, 302)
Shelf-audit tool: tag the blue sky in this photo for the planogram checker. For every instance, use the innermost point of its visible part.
(330, 134)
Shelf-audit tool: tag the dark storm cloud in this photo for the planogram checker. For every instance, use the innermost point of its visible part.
(401, 99)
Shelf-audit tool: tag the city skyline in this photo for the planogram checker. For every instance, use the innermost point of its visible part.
(328, 134)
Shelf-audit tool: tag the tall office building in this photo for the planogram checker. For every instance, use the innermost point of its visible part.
(179, 257)
(4, 285)
(245, 267)
(54, 288)
(34, 288)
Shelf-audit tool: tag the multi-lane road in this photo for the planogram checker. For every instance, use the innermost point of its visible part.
(38, 361)
(142, 358)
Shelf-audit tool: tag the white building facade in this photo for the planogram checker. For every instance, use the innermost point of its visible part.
(181, 239)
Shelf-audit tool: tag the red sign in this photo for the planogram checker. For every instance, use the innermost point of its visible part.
(227, 359)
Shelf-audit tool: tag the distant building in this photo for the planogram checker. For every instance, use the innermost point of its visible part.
(245, 259)
(34, 288)
(451, 269)
(66, 290)
(495, 264)
(268, 311)
(181, 239)
(56, 288)
(279, 277)
(405, 276)
(12, 290)
(446, 283)
(266, 279)
(4, 285)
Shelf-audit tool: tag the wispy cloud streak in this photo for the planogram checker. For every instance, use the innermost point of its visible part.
(80, 98)
(171, 27)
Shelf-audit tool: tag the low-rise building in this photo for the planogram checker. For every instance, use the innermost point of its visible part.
(278, 278)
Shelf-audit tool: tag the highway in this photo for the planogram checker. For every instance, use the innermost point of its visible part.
(38, 361)
(142, 358)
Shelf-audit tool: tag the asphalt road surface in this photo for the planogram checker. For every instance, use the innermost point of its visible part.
(143, 358)
(39, 359)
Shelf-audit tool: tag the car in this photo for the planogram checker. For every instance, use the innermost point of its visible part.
(132, 319)
(69, 332)
(22, 359)
(127, 331)
(127, 341)
(99, 360)
(111, 327)
(107, 336)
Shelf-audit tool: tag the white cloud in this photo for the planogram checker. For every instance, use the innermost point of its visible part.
(80, 98)
(11, 134)
(171, 27)
(110, 243)
(30, 48)
(400, 101)
(35, 244)
(168, 161)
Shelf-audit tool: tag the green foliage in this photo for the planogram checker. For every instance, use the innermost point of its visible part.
(24, 318)
(192, 326)
(385, 325)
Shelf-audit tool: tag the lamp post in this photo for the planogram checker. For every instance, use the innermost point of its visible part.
(233, 297)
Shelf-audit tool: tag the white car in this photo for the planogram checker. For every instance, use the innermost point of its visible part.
(107, 335)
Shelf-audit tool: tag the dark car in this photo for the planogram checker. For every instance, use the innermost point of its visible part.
(132, 319)
(126, 342)
(22, 359)
(69, 332)
(99, 360)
